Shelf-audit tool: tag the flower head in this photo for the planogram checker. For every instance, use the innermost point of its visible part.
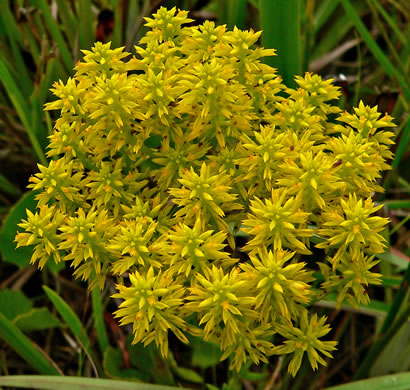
(305, 339)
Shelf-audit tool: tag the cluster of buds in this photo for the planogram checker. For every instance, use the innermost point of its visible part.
(161, 161)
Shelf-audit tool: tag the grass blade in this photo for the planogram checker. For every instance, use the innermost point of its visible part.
(56, 34)
(69, 22)
(86, 23)
(22, 109)
(280, 22)
(70, 382)
(236, 13)
(71, 319)
(390, 327)
(403, 145)
(32, 354)
(388, 382)
(98, 316)
(324, 12)
(8, 187)
(118, 24)
(375, 48)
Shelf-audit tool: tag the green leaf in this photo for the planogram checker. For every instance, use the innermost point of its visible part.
(36, 319)
(20, 256)
(280, 22)
(71, 319)
(142, 357)
(388, 382)
(395, 357)
(98, 316)
(375, 48)
(26, 349)
(70, 383)
(8, 187)
(22, 108)
(402, 148)
(86, 23)
(393, 259)
(205, 354)
(17, 308)
(236, 13)
(113, 362)
(55, 32)
(188, 374)
(14, 303)
(397, 204)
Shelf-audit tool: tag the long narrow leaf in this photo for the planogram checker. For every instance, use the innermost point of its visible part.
(69, 21)
(22, 109)
(71, 319)
(98, 316)
(280, 22)
(403, 145)
(70, 383)
(236, 13)
(56, 34)
(17, 340)
(118, 23)
(8, 187)
(324, 12)
(388, 382)
(375, 48)
(86, 23)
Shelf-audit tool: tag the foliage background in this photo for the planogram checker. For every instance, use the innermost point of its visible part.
(364, 45)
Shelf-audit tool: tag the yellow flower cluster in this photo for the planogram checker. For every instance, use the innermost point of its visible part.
(160, 161)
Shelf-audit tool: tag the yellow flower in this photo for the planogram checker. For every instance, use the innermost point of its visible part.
(305, 339)
(351, 226)
(281, 289)
(152, 305)
(276, 223)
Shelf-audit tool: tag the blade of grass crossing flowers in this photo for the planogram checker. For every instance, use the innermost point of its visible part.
(280, 22)
(71, 319)
(375, 49)
(98, 316)
(32, 354)
(70, 383)
(21, 108)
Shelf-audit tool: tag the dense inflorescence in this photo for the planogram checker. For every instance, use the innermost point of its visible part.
(159, 161)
